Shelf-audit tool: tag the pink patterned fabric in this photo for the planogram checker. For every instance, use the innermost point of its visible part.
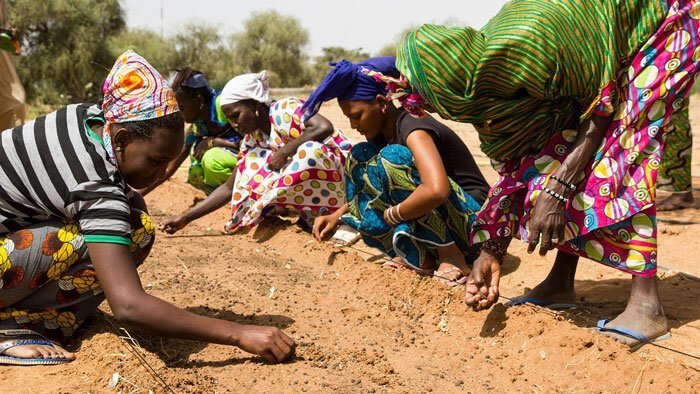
(134, 90)
(399, 89)
(612, 217)
(312, 183)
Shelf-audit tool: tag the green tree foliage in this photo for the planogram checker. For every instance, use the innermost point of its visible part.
(160, 52)
(273, 42)
(390, 48)
(334, 54)
(65, 42)
(202, 47)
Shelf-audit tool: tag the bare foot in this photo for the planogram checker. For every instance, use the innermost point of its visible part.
(452, 265)
(643, 314)
(37, 351)
(644, 319)
(676, 201)
(558, 287)
(551, 292)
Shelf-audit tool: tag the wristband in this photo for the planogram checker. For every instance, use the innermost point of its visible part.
(398, 213)
(567, 184)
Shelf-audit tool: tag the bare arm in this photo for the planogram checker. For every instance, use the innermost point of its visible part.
(224, 143)
(133, 306)
(217, 199)
(317, 128)
(548, 217)
(435, 186)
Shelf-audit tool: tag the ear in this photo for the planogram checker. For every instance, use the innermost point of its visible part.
(381, 100)
(200, 101)
(120, 139)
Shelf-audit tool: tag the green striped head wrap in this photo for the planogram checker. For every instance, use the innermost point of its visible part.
(536, 68)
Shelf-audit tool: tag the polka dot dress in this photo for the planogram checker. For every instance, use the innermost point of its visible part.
(311, 184)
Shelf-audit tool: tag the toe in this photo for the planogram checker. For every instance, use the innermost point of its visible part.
(64, 353)
(44, 351)
(621, 338)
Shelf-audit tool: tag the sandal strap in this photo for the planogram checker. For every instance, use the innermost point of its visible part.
(19, 332)
(603, 327)
(22, 342)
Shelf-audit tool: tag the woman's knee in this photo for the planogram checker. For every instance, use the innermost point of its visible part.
(218, 159)
(363, 152)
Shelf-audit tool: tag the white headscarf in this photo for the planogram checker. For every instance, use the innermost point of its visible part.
(247, 86)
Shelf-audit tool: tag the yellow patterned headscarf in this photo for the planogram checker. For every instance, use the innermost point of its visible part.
(134, 90)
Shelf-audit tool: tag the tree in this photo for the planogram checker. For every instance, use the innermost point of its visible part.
(334, 54)
(202, 47)
(390, 48)
(273, 42)
(65, 45)
(160, 52)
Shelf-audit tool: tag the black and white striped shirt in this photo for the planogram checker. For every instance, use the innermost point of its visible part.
(56, 168)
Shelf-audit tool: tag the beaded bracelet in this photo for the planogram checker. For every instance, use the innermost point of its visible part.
(495, 249)
(565, 183)
(555, 195)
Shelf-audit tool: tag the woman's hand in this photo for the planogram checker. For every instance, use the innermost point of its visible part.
(201, 147)
(279, 158)
(482, 284)
(387, 218)
(548, 219)
(174, 224)
(270, 343)
(324, 225)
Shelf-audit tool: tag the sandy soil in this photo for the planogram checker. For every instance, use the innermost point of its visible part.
(363, 328)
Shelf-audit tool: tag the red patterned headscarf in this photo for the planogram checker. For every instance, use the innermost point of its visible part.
(134, 90)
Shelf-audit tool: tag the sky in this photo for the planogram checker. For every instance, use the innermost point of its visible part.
(351, 24)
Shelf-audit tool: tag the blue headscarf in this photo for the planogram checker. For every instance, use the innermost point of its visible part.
(347, 82)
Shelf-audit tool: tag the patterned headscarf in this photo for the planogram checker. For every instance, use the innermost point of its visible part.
(399, 89)
(135, 91)
(351, 81)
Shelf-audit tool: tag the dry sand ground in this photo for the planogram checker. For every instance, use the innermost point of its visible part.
(362, 328)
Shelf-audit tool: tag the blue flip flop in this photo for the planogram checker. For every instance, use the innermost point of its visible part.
(555, 306)
(643, 340)
(10, 343)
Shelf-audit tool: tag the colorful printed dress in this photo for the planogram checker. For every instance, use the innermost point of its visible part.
(376, 179)
(675, 172)
(611, 218)
(311, 184)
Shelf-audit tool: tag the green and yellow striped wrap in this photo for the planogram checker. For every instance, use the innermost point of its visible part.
(536, 68)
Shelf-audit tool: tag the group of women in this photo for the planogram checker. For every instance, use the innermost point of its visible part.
(572, 101)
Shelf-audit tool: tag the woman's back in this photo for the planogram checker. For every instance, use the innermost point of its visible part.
(52, 168)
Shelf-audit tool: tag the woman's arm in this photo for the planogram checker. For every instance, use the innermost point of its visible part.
(435, 186)
(133, 306)
(548, 217)
(170, 171)
(317, 128)
(217, 199)
(224, 143)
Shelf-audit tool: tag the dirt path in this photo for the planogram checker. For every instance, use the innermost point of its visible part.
(363, 328)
